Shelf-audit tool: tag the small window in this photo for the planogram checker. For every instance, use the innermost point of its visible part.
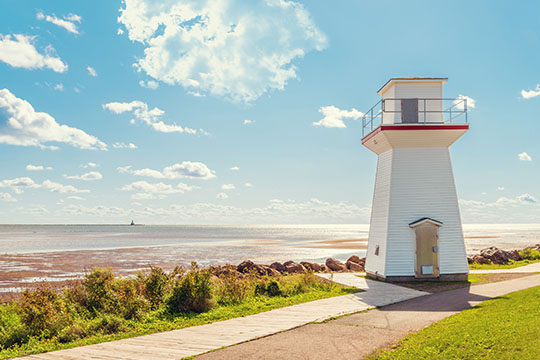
(427, 269)
(377, 250)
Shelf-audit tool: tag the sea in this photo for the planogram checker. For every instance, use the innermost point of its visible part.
(22, 239)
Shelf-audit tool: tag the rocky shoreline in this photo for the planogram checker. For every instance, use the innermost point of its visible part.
(490, 255)
(494, 255)
(353, 264)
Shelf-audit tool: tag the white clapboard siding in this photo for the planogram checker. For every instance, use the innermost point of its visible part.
(379, 214)
(422, 185)
(420, 90)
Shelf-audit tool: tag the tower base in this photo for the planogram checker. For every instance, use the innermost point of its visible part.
(441, 277)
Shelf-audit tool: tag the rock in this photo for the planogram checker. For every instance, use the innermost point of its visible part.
(335, 265)
(248, 266)
(499, 256)
(278, 266)
(293, 267)
(478, 259)
(270, 271)
(354, 266)
(324, 268)
(311, 266)
(354, 259)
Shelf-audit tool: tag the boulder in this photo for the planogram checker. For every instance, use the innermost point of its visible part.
(335, 265)
(352, 266)
(293, 267)
(478, 259)
(499, 256)
(249, 266)
(278, 267)
(270, 271)
(311, 266)
(354, 259)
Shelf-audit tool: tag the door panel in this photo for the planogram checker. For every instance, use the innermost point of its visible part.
(409, 111)
(427, 257)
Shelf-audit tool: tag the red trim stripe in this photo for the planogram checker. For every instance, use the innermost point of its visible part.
(414, 127)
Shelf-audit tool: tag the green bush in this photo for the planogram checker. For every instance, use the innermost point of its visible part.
(12, 331)
(193, 293)
(99, 286)
(131, 302)
(156, 285)
(232, 289)
(272, 288)
(108, 324)
(42, 311)
(71, 333)
(530, 254)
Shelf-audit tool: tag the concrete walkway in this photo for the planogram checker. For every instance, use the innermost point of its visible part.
(196, 340)
(532, 268)
(355, 336)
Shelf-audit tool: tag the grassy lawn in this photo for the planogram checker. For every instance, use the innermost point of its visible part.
(233, 298)
(511, 265)
(502, 328)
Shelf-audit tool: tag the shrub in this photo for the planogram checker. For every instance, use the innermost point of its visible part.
(42, 311)
(193, 293)
(71, 333)
(530, 254)
(231, 289)
(100, 291)
(108, 324)
(131, 303)
(156, 285)
(272, 288)
(12, 331)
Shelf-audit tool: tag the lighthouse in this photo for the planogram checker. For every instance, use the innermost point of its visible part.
(415, 228)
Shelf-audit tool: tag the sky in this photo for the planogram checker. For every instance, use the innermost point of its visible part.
(237, 112)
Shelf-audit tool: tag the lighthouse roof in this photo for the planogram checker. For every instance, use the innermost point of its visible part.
(410, 79)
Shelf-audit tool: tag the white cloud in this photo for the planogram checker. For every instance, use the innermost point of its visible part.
(121, 145)
(89, 165)
(91, 71)
(68, 22)
(89, 176)
(234, 168)
(527, 199)
(146, 190)
(150, 84)
(471, 103)
(248, 122)
(186, 169)
(23, 126)
(228, 187)
(235, 49)
(59, 188)
(222, 196)
(31, 167)
(248, 185)
(529, 94)
(18, 185)
(75, 197)
(149, 117)
(7, 197)
(524, 157)
(59, 87)
(333, 116)
(500, 188)
(19, 51)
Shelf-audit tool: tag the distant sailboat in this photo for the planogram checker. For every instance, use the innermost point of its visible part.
(132, 223)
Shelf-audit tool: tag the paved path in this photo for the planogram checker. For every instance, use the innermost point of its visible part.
(196, 340)
(532, 268)
(353, 337)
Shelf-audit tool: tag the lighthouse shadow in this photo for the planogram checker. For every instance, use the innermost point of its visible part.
(445, 301)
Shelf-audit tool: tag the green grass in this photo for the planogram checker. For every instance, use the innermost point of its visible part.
(511, 265)
(160, 320)
(502, 328)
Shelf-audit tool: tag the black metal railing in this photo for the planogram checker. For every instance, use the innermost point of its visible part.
(423, 111)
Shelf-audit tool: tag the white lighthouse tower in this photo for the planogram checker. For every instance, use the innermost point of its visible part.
(415, 230)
